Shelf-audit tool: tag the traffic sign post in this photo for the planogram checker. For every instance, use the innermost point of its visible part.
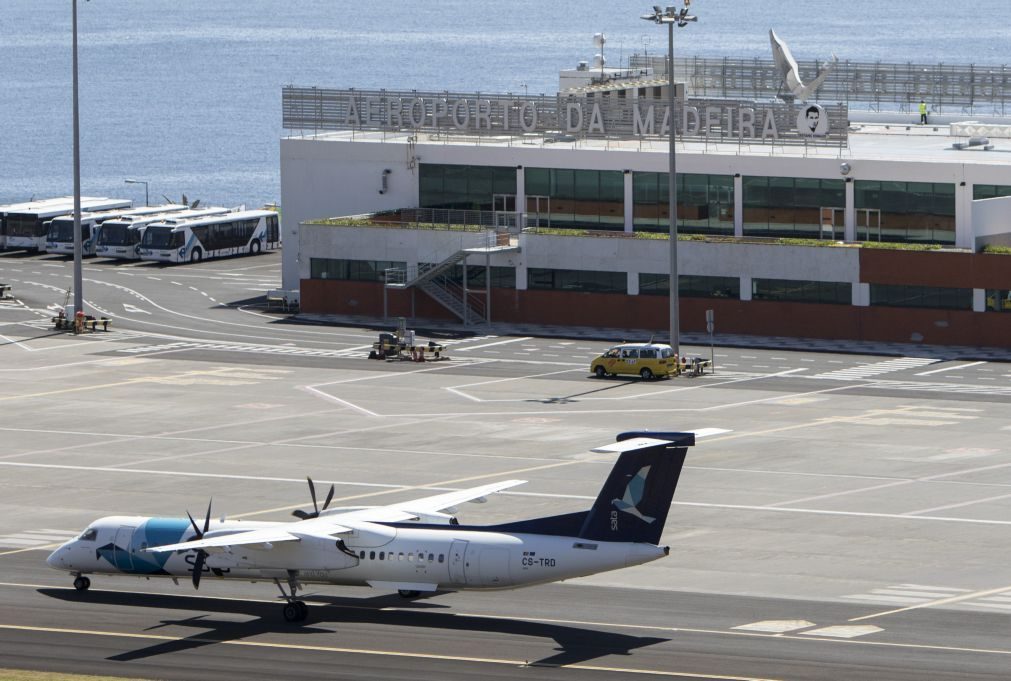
(710, 327)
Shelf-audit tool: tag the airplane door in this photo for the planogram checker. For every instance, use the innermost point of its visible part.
(457, 562)
(122, 558)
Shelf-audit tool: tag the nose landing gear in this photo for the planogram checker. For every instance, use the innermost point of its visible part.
(81, 583)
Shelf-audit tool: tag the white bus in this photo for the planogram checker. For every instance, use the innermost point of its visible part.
(120, 237)
(60, 238)
(247, 231)
(27, 227)
(28, 205)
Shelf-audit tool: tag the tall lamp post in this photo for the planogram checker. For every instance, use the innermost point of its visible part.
(78, 249)
(147, 201)
(680, 18)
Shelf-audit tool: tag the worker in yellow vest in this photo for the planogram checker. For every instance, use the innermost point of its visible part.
(923, 112)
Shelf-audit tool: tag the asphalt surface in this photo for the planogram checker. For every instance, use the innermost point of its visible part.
(850, 523)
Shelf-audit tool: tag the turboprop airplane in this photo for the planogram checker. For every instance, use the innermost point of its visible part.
(410, 547)
(790, 72)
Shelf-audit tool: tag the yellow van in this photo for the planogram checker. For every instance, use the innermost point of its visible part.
(648, 360)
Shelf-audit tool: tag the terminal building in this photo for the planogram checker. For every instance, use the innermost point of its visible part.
(840, 217)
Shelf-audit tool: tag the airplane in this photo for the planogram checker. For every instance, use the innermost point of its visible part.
(790, 72)
(410, 547)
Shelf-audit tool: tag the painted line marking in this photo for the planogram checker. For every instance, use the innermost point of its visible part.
(930, 604)
(488, 345)
(775, 626)
(843, 631)
(957, 366)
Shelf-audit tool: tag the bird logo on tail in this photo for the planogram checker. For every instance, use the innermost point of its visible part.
(633, 495)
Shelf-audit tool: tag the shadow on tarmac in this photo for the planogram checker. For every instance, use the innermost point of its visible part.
(573, 644)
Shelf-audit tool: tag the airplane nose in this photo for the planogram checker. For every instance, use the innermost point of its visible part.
(55, 559)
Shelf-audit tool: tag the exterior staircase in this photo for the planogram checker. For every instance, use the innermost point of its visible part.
(437, 282)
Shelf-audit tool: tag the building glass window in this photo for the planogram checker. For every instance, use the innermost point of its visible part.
(690, 286)
(351, 270)
(792, 207)
(580, 199)
(463, 187)
(545, 279)
(998, 300)
(798, 291)
(921, 296)
(989, 191)
(501, 277)
(920, 212)
(705, 203)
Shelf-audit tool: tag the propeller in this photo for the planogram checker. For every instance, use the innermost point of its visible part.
(198, 564)
(305, 515)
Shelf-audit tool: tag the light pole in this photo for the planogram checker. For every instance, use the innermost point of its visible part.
(679, 17)
(78, 249)
(147, 201)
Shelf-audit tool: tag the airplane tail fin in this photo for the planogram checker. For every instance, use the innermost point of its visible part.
(632, 505)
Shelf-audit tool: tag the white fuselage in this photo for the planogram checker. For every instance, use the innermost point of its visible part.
(402, 557)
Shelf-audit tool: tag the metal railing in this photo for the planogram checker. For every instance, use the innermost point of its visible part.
(969, 88)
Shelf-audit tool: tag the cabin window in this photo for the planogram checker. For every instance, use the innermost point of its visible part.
(431, 558)
(400, 556)
(362, 555)
(372, 555)
(382, 555)
(441, 557)
(410, 557)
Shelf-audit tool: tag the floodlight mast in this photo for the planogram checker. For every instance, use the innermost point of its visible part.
(681, 18)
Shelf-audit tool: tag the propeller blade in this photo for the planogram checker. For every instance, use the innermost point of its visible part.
(301, 515)
(329, 498)
(185, 202)
(312, 493)
(198, 567)
(167, 199)
(207, 518)
(196, 202)
(196, 528)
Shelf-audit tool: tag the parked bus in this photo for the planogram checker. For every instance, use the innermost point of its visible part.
(247, 231)
(27, 228)
(28, 205)
(60, 238)
(120, 237)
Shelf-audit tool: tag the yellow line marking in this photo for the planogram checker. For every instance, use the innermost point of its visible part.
(586, 623)
(382, 653)
(929, 604)
(44, 547)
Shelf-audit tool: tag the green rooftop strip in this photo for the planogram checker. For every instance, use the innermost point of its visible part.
(368, 221)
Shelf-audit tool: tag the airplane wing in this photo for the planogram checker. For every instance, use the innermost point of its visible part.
(409, 510)
(264, 537)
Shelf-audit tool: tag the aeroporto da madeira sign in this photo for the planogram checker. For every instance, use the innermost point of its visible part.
(612, 116)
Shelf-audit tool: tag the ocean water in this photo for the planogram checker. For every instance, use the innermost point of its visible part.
(186, 93)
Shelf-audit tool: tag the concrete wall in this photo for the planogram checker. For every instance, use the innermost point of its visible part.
(991, 222)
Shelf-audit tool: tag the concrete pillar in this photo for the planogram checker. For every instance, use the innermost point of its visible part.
(979, 300)
(850, 215)
(521, 195)
(745, 288)
(739, 212)
(964, 237)
(861, 295)
(629, 202)
(633, 283)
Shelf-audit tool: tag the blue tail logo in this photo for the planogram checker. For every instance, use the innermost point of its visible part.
(633, 495)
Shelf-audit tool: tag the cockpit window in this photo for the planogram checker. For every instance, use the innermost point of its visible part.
(90, 534)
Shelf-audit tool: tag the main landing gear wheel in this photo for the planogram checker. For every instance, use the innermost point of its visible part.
(408, 593)
(296, 611)
(82, 583)
(600, 371)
